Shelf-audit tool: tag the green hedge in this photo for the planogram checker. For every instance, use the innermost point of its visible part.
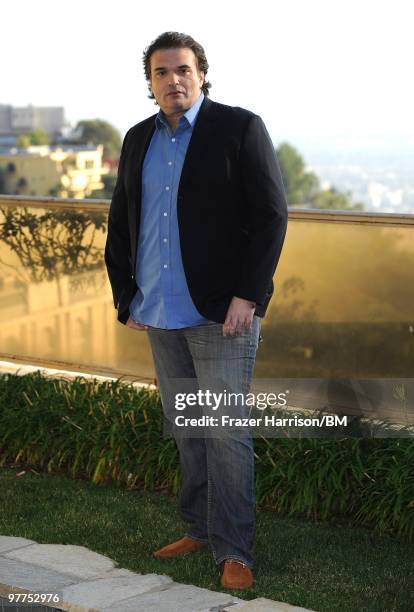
(109, 431)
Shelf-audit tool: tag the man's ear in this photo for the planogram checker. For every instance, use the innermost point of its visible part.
(202, 75)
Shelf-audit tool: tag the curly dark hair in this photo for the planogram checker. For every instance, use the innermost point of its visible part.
(174, 40)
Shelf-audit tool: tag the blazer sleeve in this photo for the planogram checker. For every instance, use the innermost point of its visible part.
(267, 212)
(117, 247)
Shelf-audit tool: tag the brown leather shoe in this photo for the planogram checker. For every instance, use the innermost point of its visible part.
(236, 575)
(181, 547)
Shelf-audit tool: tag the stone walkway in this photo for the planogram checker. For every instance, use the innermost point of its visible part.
(88, 582)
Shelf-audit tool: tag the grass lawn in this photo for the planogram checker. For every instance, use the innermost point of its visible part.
(325, 567)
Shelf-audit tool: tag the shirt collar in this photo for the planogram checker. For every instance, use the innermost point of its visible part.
(190, 115)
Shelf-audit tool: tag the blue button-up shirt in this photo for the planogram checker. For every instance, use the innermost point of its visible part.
(163, 299)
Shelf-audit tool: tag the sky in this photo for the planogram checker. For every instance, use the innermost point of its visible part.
(313, 70)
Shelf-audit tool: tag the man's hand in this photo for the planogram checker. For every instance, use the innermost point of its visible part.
(135, 325)
(239, 317)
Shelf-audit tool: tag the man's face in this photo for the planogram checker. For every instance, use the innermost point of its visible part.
(175, 80)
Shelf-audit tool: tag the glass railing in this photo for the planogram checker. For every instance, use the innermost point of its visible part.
(343, 306)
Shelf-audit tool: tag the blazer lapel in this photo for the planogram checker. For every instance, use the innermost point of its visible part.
(198, 145)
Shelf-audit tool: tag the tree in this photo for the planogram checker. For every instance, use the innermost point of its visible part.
(56, 191)
(333, 199)
(36, 137)
(24, 141)
(98, 131)
(302, 186)
(299, 183)
(109, 181)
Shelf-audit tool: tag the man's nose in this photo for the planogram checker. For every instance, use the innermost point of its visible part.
(174, 80)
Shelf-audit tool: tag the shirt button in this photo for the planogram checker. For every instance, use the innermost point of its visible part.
(165, 266)
(167, 188)
(170, 163)
(165, 214)
(164, 240)
(172, 139)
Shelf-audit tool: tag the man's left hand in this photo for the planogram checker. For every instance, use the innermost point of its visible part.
(239, 317)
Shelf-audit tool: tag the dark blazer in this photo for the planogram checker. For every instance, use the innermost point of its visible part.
(231, 207)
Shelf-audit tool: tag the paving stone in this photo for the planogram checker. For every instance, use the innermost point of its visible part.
(113, 587)
(76, 560)
(177, 598)
(10, 543)
(14, 573)
(261, 604)
(88, 580)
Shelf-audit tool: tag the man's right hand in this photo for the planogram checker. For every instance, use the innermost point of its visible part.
(135, 325)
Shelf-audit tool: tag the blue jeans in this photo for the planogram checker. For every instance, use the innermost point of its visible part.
(217, 496)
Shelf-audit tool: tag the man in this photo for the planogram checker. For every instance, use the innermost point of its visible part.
(196, 226)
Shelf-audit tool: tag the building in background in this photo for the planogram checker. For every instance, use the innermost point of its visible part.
(15, 121)
(67, 172)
